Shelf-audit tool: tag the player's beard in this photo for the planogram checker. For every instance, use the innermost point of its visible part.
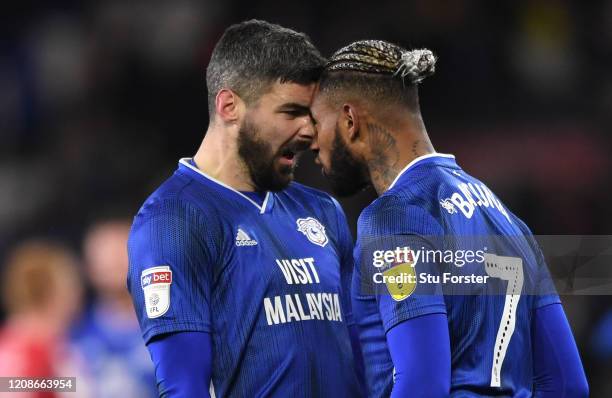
(262, 162)
(347, 175)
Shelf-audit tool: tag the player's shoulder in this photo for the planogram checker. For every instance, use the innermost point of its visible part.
(425, 183)
(412, 202)
(385, 206)
(432, 185)
(384, 203)
(180, 196)
(398, 214)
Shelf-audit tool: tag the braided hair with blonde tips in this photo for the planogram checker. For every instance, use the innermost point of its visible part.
(378, 56)
(378, 70)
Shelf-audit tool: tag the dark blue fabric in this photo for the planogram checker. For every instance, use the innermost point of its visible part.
(269, 283)
(183, 364)
(358, 355)
(435, 205)
(558, 371)
(420, 349)
(257, 197)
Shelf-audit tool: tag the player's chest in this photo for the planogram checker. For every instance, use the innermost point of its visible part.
(281, 253)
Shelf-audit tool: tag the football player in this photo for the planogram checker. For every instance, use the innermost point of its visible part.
(451, 293)
(240, 276)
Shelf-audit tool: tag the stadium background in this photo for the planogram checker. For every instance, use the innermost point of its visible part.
(98, 101)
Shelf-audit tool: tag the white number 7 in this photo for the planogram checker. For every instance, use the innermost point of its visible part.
(508, 269)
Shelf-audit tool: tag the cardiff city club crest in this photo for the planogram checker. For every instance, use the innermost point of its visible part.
(313, 229)
(156, 283)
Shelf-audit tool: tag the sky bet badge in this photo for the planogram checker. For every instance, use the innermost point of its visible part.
(156, 283)
(401, 279)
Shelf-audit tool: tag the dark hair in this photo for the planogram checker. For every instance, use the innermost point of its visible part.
(253, 54)
(379, 71)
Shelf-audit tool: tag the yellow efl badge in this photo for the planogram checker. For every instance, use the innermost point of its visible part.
(400, 281)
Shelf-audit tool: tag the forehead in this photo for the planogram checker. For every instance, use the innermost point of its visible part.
(280, 93)
(319, 104)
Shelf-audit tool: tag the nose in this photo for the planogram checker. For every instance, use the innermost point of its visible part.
(308, 132)
(314, 145)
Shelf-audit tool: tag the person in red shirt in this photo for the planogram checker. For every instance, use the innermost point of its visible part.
(41, 295)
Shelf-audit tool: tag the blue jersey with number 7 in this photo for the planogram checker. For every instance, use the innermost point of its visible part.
(439, 241)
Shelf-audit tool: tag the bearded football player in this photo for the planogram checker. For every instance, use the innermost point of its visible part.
(480, 319)
(240, 276)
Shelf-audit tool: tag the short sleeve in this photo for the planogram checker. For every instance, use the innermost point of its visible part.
(170, 269)
(546, 293)
(390, 237)
(544, 290)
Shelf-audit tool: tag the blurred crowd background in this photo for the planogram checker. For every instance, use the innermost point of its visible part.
(99, 100)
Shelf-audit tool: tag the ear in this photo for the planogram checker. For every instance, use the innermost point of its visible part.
(227, 105)
(351, 120)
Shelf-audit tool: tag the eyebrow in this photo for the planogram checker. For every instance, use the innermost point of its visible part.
(294, 106)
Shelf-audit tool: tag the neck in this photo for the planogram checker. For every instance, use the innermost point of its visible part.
(392, 150)
(218, 157)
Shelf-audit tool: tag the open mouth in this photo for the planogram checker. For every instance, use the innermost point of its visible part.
(288, 154)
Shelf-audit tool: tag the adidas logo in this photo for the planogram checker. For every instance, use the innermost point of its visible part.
(243, 239)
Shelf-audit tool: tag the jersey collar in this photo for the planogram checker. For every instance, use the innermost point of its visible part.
(264, 208)
(419, 160)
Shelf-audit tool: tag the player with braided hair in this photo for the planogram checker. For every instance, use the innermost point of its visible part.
(500, 329)
(383, 76)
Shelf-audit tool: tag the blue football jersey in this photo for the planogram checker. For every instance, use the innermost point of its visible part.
(269, 282)
(464, 254)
